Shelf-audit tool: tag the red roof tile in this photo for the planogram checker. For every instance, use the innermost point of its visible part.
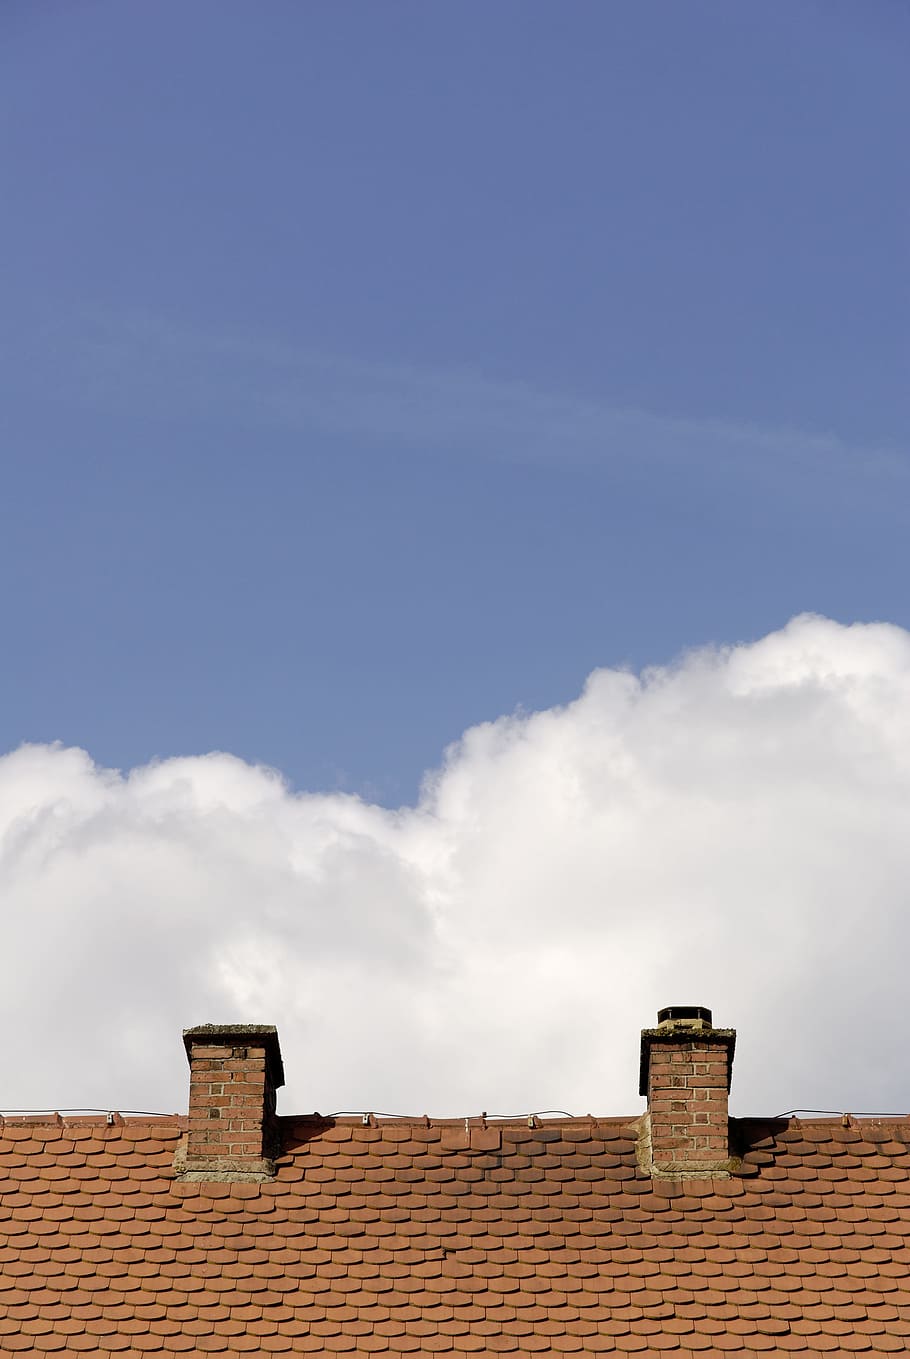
(405, 1238)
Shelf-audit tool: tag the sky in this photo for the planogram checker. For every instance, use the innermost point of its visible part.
(453, 543)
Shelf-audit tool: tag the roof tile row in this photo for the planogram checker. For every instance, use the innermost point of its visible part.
(411, 1237)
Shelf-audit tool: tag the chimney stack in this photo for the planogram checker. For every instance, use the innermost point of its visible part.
(686, 1066)
(235, 1070)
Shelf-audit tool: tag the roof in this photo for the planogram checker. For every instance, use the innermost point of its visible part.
(420, 1236)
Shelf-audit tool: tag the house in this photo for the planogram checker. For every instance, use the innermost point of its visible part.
(234, 1231)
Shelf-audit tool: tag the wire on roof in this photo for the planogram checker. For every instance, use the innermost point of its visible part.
(374, 1113)
(82, 1109)
(365, 1113)
(339, 1113)
(842, 1113)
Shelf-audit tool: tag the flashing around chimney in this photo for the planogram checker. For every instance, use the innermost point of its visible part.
(232, 1132)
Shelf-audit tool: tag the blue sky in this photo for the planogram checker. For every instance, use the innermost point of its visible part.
(373, 370)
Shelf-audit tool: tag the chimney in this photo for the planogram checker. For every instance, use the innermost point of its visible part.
(235, 1070)
(686, 1066)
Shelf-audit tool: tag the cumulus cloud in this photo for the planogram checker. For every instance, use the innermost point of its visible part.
(731, 830)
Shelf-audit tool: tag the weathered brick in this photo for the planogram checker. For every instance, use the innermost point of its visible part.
(687, 1083)
(232, 1093)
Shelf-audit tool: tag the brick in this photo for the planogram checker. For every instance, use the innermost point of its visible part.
(229, 1103)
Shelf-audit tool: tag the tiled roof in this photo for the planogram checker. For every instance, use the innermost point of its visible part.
(416, 1237)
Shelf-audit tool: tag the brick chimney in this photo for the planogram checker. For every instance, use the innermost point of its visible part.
(686, 1065)
(235, 1070)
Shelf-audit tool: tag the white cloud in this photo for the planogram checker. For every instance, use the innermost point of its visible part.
(732, 831)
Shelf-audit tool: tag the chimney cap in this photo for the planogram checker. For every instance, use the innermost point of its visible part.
(239, 1035)
(683, 1024)
(686, 1013)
